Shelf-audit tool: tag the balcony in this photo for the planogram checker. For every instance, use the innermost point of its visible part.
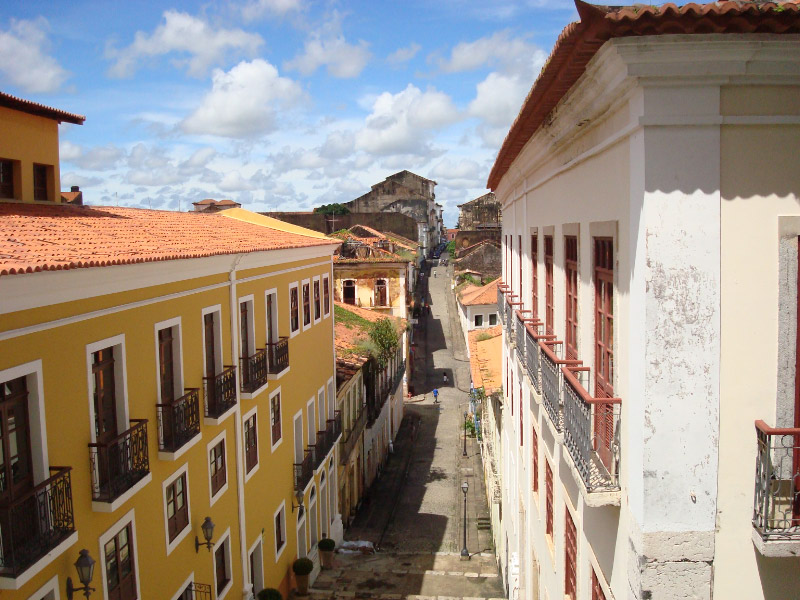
(119, 464)
(220, 392)
(36, 523)
(327, 438)
(178, 421)
(553, 381)
(351, 436)
(278, 353)
(304, 471)
(776, 503)
(591, 435)
(519, 334)
(501, 302)
(253, 371)
(509, 318)
(197, 591)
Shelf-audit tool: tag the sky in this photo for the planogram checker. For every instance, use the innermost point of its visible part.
(276, 104)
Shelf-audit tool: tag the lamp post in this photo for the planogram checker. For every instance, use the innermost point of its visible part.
(208, 533)
(464, 551)
(465, 434)
(85, 568)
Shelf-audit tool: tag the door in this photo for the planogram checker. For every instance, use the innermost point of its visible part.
(570, 557)
(271, 337)
(244, 326)
(211, 360)
(604, 347)
(349, 292)
(166, 365)
(120, 568)
(109, 456)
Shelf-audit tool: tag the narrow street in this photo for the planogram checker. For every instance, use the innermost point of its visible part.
(414, 513)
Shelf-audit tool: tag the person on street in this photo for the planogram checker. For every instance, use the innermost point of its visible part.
(444, 375)
(435, 396)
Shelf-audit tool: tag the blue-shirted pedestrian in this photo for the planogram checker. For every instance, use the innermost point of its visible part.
(435, 396)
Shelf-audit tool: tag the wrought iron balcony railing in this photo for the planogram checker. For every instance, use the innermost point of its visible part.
(776, 503)
(509, 318)
(253, 371)
(36, 522)
(327, 438)
(278, 352)
(178, 421)
(351, 436)
(533, 360)
(120, 463)
(553, 380)
(591, 433)
(519, 335)
(197, 591)
(304, 471)
(501, 301)
(220, 392)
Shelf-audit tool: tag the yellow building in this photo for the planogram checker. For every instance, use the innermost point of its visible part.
(159, 370)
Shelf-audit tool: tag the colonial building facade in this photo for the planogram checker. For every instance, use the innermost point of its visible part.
(650, 196)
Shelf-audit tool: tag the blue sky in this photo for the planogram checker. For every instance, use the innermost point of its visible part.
(277, 104)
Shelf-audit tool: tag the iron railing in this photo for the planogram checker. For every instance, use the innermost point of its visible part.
(36, 522)
(326, 438)
(501, 303)
(591, 433)
(117, 465)
(509, 319)
(178, 421)
(351, 436)
(253, 371)
(519, 335)
(553, 381)
(304, 471)
(776, 503)
(532, 361)
(199, 591)
(220, 392)
(278, 352)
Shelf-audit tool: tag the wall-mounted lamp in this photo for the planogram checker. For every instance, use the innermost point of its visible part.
(85, 568)
(208, 533)
(298, 495)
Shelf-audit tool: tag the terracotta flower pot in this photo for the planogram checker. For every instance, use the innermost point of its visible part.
(302, 584)
(326, 559)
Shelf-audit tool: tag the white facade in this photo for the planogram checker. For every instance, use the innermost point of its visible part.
(685, 156)
(476, 316)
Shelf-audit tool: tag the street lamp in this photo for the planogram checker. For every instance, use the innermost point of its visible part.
(464, 551)
(85, 568)
(465, 435)
(208, 533)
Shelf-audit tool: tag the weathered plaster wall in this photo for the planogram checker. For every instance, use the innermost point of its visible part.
(391, 222)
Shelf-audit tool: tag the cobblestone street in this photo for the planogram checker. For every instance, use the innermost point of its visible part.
(414, 513)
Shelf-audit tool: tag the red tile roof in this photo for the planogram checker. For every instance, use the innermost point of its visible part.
(486, 294)
(40, 110)
(486, 358)
(36, 237)
(580, 41)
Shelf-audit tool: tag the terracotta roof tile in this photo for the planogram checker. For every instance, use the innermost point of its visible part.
(485, 358)
(580, 41)
(37, 237)
(486, 294)
(34, 108)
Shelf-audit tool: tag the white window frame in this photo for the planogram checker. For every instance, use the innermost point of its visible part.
(375, 289)
(282, 511)
(117, 343)
(217, 308)
(298, 415)
(249, 300)
(128, 518)
(275, 315)
(225, 541)
(333, 510)
(223, 435)
(301, 522)
(321, 410)
(312, 520)
(257, 545)
(318, 280)
(177, 356)
(306, 282)
(475, 318)
(311, 420)
(326, 278)
(355, 291)
(296, 286)
(51, 587)
(245, 417)
(273, 444)
(184, 585)
(331, 394)
(183, 470)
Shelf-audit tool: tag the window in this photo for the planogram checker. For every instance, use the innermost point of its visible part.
(177, 507)
(217, 465)
(521, 427)
(535, 275)
(349, 291)
(166, 365)
(40, 182)
(571, 273)
(275, 417)
(317, 301)
(570, 556)
(381, 294)
(478, 320)
(493, 319)
(597, 590)
(548, 491)
(16, 468)
(119, 565)
(306, 305)
(519, 263)
(311, 420)
(294, 310)
(6, 179)
(326, 295)
(604, 346)
(280, 530)
(105, 402)
(250, 443)
(535, 460)
(222, 565)
(549, 309)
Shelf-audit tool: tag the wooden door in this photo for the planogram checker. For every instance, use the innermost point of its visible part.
(604, 347)
(570, 557)
(271, 337)
(166, 365)
(120, 567)
(105, 403)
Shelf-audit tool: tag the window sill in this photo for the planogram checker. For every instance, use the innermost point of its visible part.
(15, 583)
(108, 507)
(163, 455)
(273, 377)
(220, 419)
(252, 395)
(779, 548)
(591, 499)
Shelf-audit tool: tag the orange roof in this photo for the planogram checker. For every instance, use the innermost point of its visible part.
(485, 358)
(486, 294)
(40, 110)
(580, 41)
(36, 237)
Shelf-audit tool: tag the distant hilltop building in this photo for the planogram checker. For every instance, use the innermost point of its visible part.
(481, 213)
(409, 194)
(211, 206)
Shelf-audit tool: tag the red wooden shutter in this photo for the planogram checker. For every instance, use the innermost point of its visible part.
(535, 275)
(548, 484)
(535, 459)
(597, 591)
(570, 556)
(571, 272)
(549, 310)
(604, 346)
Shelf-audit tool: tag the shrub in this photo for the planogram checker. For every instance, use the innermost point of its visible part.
(269, 594)
(302, 566)
(326, 544)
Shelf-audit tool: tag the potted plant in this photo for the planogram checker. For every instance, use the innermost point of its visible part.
(269, 594)
(326, 547)
(302, 568)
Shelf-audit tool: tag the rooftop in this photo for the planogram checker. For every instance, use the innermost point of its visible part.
(40, 110)
(36, 237)
(473, 295)
(485, 358)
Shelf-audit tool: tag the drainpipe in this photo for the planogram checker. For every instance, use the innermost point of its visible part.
(247, 585)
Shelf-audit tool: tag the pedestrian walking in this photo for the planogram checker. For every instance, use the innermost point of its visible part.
(435, 396)
(444, 375)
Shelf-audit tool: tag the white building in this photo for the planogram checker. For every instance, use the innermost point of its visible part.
(651, 213)
(477, 308)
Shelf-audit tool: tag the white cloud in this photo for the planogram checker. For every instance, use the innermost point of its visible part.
(255, 9)
(68, 151)
(341, 59)
(463, 174)
(511, 55)
(186, 35)
(242, 101)
(233, 181)
(100, 158)
(25, 60)
(401, 123)
(402, 55)
(338, 144)
(70, 179)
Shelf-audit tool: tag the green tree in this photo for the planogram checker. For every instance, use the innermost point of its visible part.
(386, 339)
(332, 209)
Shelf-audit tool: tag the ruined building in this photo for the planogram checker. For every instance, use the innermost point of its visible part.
(483, 212)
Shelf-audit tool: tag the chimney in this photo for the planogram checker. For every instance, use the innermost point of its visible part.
(75, 188)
